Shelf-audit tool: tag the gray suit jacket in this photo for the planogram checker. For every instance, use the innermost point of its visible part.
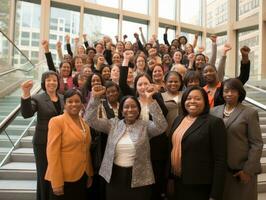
(42, 104)
(140, 132)
(244, 140)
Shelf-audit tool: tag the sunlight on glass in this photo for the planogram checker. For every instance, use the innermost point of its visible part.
(191, 12)
(247, 8)
(138, 6)
(129, 28)
(170, 34)
(110, 3)
(97, 26)
(167, 9)
(216, 12)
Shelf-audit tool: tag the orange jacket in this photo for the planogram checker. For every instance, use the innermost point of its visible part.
(68, 152)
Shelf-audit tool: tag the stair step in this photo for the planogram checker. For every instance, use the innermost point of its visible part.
(17, 189)
(262, 196)
(23, 151)
(262, 183)
(18, 175)
(30, 166)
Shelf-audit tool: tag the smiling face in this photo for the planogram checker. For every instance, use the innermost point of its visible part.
(157, 74)
(65, 70)
(199, 61)
(106, 73)
(173, 83)
(78, 64)
(130, 111)
(115, 73)
(140, 64)
(51, 84)
(116, 59)
(73, 105)
(209, 74)
(95, 80)
(177, 57)
(112, 94)
(194, 103)
(142, 84)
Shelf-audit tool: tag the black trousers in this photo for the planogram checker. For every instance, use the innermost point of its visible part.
(159, 188)
(72, 190)
(120, 186)
(191, 191)
(41, 166)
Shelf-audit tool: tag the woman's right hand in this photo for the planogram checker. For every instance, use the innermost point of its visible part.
(58, 191)
(26, 87)
(98, 91)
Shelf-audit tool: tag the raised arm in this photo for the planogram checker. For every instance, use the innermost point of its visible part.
(221, 66)
(59, 51)
(245, 65)
(28, 105)
(69, 51)
(142, 36)
(158, 124)
(48, 55)
(136, 35)
(86, 43)
(195, 41)
(99, 124)
(165, 37)
(214, 49)
(124, 87)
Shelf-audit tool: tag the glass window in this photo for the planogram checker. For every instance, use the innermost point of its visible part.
(221, 40)
(190, 37)
(4, 16)
(138, 6)
(247, 8)
(167, 9)
(191, 12)
(97, 26)
(130, 27)
(170, 34)
(27, 22)
(62, 22)
(110, 3)
(216, 12)
(250, 39)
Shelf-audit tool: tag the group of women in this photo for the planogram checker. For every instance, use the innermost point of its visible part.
(160, 123)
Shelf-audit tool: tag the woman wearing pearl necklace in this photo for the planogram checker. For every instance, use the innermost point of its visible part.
(244, 143)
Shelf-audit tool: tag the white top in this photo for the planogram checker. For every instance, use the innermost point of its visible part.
(125, 152)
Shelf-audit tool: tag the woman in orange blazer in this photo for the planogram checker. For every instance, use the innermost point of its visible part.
(69, 162)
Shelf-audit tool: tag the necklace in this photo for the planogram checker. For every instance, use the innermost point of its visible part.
(227, 112)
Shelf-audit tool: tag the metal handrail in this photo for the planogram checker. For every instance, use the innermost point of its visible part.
(6, 158)
(12, 115)
(255, 103)
(16, 46)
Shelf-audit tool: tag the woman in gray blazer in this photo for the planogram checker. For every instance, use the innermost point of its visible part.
(126, 165)
(47, 105)
(244, 143)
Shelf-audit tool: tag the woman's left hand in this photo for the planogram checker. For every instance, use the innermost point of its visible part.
(89, 181)
(243, 176)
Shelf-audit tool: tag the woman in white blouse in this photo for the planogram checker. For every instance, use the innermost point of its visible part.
(126, 165)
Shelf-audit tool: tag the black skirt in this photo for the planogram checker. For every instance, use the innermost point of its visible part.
(120, 186)
(72, 190)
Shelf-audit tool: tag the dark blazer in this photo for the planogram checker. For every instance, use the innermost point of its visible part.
(244, 140)
(42, 104)
(203, 153)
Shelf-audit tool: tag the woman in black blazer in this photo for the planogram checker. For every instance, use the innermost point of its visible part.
(198, 150)
(47, 105)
